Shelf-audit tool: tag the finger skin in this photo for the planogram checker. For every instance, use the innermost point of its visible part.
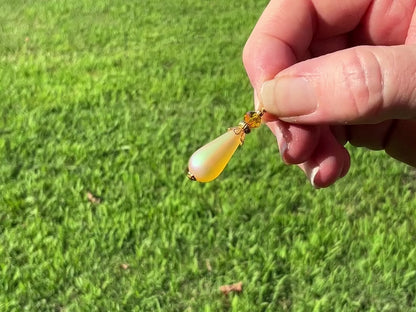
(280, 38)
(292, 31)
(401, 143)
(374, 137)
(334, 18)
(396, 137)
(266, 53)
(285, 30)
(329, 161)
(411, 33)
(324, 46)
(366, 84)
(385, 23)
(296, 142)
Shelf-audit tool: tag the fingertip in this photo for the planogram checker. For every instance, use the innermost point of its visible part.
(296, 142)
(332, 169)
(329, 162)
(281, 141)
(323, 174)
(264, 56)
(327, 174)
(302, 141)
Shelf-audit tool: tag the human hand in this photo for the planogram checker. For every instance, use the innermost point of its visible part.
(328, 72)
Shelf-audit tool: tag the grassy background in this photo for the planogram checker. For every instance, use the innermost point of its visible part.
(113, 97)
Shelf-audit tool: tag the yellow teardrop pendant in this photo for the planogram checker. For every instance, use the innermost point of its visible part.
(209, 161)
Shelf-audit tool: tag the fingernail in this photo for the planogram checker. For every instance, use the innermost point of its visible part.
(283, 147)
(288, 96)
(281, 141)
(312, 177)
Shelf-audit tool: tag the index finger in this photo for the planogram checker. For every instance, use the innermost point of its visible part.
(286, 28)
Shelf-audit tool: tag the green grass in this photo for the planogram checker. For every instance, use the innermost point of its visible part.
(113, 97)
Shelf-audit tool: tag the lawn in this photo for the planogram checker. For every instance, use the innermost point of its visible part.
(112, 97)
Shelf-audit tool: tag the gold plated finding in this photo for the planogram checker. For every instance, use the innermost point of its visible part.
(209, 161)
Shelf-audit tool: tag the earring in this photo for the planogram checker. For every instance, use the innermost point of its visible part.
(209, 161)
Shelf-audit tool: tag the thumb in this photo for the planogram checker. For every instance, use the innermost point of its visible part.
(366, 84)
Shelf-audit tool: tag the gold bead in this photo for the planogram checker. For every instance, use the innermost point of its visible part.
(253, 119)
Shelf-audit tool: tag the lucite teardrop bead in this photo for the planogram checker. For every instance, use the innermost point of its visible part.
(209, 161)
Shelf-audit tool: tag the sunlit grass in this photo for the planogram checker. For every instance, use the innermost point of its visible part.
(112, 97)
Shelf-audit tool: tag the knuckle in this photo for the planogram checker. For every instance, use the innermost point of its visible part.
(364, 83)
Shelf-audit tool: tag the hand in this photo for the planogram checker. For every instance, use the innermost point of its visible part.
(328, 72)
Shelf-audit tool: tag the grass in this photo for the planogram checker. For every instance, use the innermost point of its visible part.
(112, 97)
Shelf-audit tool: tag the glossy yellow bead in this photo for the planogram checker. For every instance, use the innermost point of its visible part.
(253, 119)
(209, 161)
